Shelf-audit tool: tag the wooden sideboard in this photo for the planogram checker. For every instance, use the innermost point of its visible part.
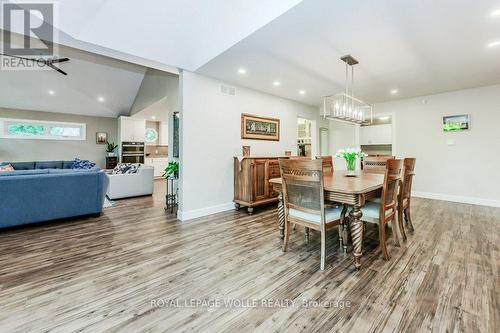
(251, 181)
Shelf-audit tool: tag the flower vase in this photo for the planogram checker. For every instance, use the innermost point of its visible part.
(351, 167)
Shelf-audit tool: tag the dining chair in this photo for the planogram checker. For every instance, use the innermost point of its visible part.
(327, 163)
(404, 197)
(385, 211)
(303, 196)
(375, 164)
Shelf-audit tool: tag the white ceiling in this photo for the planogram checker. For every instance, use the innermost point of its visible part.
(89, 77)
(178, 33)
(418, 47)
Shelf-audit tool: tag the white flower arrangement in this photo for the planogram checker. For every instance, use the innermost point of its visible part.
(350, 155)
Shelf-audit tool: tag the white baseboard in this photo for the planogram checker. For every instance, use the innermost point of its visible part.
(457, 198)
(195, 213)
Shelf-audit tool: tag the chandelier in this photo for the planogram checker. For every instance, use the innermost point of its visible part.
(344, 106)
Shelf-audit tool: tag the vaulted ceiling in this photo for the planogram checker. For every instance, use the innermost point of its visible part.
(95, 86)
(415, 47)
(97, 34)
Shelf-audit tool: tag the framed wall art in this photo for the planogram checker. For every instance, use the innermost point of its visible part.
(456, 123)
(259, 128)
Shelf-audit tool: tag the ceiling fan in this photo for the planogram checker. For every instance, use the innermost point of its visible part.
(49, 62)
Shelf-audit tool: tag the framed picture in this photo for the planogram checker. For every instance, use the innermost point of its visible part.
(176, 135)
(259, 128)
(456, 123)
(101, 138)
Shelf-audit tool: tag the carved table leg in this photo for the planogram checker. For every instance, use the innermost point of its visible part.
(345, 226)
(357, 234)
(281, 215)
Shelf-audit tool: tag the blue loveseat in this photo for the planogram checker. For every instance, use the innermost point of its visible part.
(43, 191)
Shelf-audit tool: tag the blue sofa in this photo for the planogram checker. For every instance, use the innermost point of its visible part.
(43, 191)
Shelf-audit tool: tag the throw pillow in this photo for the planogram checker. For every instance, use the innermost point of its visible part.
(133, 168)
(121, 168)
(6, 167)
(82, 164)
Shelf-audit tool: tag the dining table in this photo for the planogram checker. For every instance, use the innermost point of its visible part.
(353, 191)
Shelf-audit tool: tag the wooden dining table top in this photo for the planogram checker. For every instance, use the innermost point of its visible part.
(338, 182)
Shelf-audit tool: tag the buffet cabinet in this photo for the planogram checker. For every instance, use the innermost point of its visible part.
(251, 181)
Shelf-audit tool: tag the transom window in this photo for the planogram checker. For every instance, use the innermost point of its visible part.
(44, 130)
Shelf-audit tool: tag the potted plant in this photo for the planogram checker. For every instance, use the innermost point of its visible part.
(350, 155)
(110, 148)
(172, 170)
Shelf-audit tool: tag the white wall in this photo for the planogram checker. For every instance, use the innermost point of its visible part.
(19, 150)
(466, 171)
(342, 136)
(211, 136)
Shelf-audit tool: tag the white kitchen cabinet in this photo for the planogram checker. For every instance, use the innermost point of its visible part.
(131, 130)
(376, 135)
(158, 163)
(163, 133)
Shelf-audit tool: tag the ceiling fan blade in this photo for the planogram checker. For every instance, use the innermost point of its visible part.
(57, 69)
(59, 60)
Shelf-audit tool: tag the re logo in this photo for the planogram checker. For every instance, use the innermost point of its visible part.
(32, 20)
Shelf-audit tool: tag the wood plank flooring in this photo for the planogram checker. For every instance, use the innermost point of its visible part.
(106, 274)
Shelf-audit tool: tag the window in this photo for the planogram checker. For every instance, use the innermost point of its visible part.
(42, 130)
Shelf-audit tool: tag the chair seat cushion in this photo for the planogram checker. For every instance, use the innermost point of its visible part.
(331, 215)
(371, 212)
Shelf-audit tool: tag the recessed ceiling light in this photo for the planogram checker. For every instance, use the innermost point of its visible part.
(495, 13)
(242, 71)
(394, 91)
(100, 99)
(302, 92)
(276, 83)
(493, 44)
(153, 117)
(52, 92)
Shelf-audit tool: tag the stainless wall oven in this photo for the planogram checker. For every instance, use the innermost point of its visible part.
(132, 152)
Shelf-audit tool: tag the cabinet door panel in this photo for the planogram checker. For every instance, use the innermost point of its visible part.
(260, 176)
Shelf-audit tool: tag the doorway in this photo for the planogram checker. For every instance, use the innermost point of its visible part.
(304, 137)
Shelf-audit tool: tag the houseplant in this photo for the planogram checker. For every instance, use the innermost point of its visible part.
(350, 155)
(172, 169)
(110, 148)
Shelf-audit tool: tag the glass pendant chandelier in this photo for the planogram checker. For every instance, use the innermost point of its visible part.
(344, 106)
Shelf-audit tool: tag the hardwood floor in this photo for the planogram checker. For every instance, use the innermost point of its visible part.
(102, 274)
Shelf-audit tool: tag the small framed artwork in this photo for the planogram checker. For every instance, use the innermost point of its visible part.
(259, 128)
(101, 138)
(456, 123)
(176, 135)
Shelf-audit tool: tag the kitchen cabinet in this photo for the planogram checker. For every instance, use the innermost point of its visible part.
(158, 163)
(131, 130)
(376, 134)
(163, 134)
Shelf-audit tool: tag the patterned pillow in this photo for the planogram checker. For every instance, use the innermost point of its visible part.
(6, 167)
(121, 168)
(82, 164)
(133, 168)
